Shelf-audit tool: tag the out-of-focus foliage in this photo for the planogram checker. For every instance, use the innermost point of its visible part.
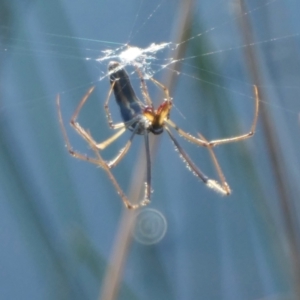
(59, 216)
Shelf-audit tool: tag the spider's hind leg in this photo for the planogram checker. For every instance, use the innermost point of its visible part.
(225, 188)
(98, 160)
(222, 187)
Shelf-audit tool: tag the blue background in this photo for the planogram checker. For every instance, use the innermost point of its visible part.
(59, 216)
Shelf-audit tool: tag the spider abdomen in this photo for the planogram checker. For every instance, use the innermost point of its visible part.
(124, 94)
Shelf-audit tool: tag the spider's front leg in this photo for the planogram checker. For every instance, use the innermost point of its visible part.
(245, 136)
(107, 110)
(203, 142)
(90, 140)
(97, 161)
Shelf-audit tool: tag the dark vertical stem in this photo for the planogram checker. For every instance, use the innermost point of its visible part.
(273, 150)
(113, 276)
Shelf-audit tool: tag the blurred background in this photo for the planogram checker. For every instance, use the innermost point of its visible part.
(60, 217)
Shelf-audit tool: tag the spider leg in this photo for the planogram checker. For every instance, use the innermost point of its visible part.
(107, 111)
(204, 142)
(82, 131)
(222, 188)
(187, 135)
(99, 161)
(69, 147)
(164, 88)
(89, 139)
(242, 136)
(110, 140)
(147, 193)
(101, 146)
(112, 163)
(81, 103)
(213, 184)
(144, 88)
(104, 144)
(124, 198)
(222, 178)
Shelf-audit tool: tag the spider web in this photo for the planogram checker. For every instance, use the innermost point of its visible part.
(142, 58)
(155, 56)
(159, 56)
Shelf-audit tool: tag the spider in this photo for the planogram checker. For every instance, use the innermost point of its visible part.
(141, 118)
